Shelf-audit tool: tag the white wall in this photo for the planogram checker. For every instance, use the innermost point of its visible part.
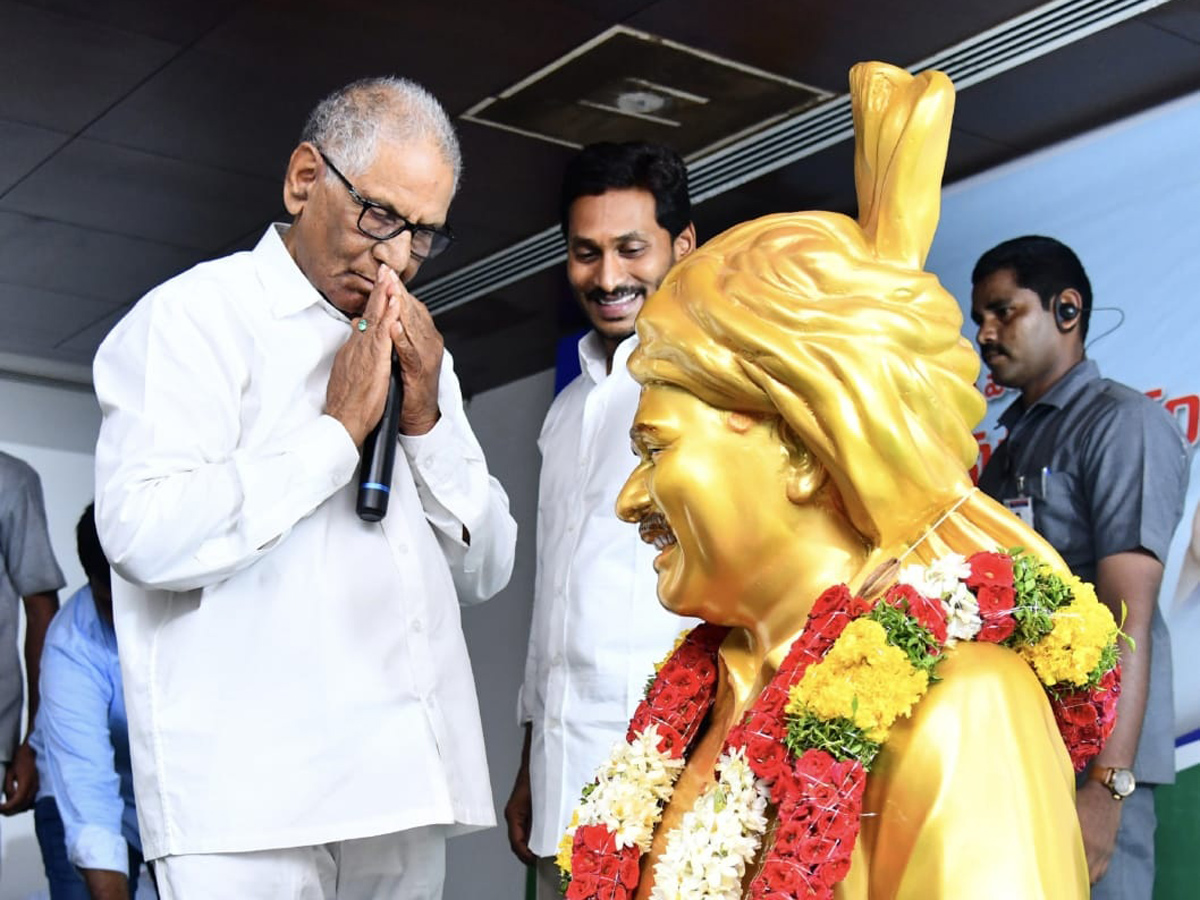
(507, 421)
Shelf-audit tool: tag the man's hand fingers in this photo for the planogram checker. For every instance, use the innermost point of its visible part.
(377, 301)
(518, 839)
(11, 798)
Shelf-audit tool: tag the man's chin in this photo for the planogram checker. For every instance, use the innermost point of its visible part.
(350, 303)
(615, 329)
(999, 371)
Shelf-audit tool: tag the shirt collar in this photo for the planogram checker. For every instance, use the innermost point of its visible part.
(593, 360)
(1061, 393)
(287, 289)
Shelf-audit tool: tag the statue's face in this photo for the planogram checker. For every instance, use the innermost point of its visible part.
(710, 491)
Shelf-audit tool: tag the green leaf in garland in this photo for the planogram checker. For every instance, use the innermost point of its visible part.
(907, 634)
(840, 738)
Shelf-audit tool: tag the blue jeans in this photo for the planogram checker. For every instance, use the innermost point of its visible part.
(65, 881)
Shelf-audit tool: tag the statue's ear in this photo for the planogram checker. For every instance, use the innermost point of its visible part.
(902, 128)
(803, 473)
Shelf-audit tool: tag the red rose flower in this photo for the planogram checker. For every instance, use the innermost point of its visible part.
(860, 607)
(788, 835)
(608, 868)
(768, 758)
(705, 670)
(844, 828)
(814, 765)
(670, 741)
(686, 682)
(813, 849)
(631, 871)
(595, 838)
(665, 699)
(992, 569)
(930, 614)
(834, 871)
(995, 609)
(786, 878)
(583, 887)
(836, 599)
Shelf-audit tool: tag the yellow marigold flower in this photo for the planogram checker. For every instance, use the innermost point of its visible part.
(567, 844)
(678, 643)
(1082, 629)
(1080, 590)
(863, 679)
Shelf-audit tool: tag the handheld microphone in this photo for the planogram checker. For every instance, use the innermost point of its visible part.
(379, 453)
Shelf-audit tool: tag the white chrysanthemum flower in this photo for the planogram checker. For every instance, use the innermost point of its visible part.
(629, 788)
(962, 615)
(914, 577)
(945, 574)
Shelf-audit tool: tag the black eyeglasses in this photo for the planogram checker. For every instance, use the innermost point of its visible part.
(382, 224)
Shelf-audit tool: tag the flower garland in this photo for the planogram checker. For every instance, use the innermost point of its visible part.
(811, 736)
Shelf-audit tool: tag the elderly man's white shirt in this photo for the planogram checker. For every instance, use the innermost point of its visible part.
(293, 675)
(598, 627)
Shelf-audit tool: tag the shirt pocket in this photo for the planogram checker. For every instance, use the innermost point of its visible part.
(1060, 513)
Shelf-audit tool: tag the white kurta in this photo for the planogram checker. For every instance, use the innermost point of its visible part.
(293, 675)
(598, 627)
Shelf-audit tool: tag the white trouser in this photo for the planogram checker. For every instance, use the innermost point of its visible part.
(548, 879)
(407, 865)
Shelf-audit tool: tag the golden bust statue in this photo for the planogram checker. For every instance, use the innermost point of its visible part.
(805, 418)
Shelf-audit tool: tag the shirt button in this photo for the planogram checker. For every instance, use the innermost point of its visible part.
(557, 661)
(402, 548)
(417, 626)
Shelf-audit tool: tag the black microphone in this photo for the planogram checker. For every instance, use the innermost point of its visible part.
(379, 453)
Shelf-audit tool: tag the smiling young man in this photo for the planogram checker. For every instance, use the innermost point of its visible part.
(1102, 471)
(597, 625)
(302, 715)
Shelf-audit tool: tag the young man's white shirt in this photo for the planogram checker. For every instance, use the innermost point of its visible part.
(598, 627)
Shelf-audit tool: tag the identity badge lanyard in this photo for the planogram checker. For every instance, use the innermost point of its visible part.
(1022, 504)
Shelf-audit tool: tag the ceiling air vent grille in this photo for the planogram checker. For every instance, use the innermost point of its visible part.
(983, 56)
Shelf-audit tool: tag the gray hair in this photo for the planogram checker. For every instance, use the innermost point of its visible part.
(349, 123)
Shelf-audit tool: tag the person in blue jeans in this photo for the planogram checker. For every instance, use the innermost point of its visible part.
(85, 818)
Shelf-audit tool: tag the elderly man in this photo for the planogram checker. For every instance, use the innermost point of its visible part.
(302, 714)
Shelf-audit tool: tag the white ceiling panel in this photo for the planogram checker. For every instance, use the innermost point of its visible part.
(66, 258)
(24, 147)
(61, 72)
(140, 195)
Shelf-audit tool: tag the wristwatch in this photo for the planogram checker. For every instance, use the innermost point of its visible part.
(1120, 781)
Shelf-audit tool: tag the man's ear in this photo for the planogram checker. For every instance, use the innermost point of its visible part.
(303, 171)
(685, 242)
(1069, 299)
